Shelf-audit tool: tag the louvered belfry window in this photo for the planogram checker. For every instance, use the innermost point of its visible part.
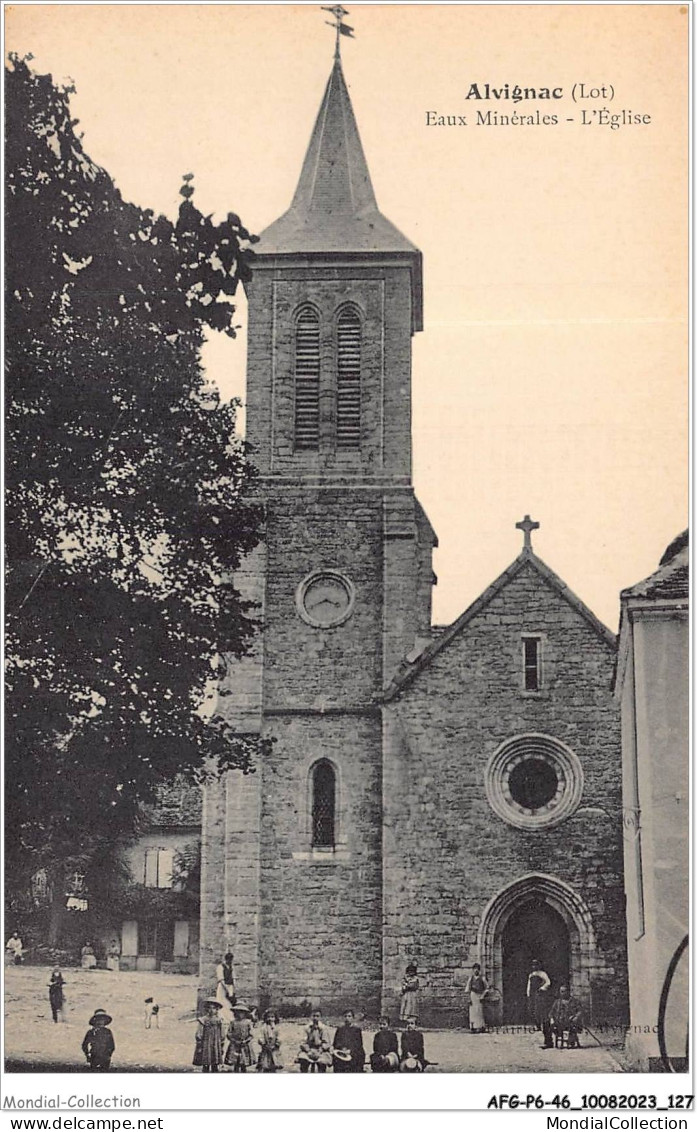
(348, 386)
(323, 804)
(307, 380)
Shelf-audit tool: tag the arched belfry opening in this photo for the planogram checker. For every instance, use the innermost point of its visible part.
(537, 917)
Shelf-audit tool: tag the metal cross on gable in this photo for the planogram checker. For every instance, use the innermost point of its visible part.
(341, 28)
(527, 526)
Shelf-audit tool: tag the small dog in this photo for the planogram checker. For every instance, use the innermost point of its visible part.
(152, 1014)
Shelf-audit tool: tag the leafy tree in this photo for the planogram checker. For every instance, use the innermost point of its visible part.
(126, 510)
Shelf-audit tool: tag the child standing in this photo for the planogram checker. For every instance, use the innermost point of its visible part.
(55, 994)
(98, 1044)
(269, 1044)
(209, 1038)
(240, 1053)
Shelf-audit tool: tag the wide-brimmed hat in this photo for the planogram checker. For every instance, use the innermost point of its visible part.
(100, 1015)
(241, 1008)
(342, 1054)
(392, 1060)
(410, 1064)
(212, 1002)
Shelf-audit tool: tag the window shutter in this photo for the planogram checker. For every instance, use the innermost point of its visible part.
(150, 878)
(165, 865)
(307, 380)
(348, 388)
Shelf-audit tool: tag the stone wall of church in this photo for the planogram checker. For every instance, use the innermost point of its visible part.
(321, 909)
(446, 852)
(382, 294)
(320, 919)
(306, 666)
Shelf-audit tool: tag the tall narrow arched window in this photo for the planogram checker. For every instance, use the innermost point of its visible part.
(323, 804)
(307, 380)
(348, 379)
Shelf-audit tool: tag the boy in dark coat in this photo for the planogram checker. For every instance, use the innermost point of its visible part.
(349, 1055)
(413, 1056)
(385, 1055)
(98, 1045)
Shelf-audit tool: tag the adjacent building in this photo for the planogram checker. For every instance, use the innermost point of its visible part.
(652, 687)
(158, 928)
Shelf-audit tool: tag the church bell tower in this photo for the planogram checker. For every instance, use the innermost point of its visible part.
(292, 855)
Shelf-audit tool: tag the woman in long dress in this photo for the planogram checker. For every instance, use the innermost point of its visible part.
(14, 950)
(477, 987)
(409, 1005)
(113, 957)
(87, 957)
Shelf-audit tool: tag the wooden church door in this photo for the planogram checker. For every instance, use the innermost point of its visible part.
(535, 930)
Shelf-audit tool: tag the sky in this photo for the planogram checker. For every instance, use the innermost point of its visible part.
(551, 374)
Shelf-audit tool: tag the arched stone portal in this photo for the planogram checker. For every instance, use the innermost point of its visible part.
(570, 937)
(534, 931)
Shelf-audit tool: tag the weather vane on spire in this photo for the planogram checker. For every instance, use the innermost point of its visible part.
(341, 28)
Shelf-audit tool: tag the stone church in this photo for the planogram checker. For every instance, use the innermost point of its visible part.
(433, 795)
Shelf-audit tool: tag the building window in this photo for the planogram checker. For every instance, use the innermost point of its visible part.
(155, 940)
(532, 664)
(534, 781)
(323, 805)
(348, 379)
(158, 868)
(147, 939)
(307, 380)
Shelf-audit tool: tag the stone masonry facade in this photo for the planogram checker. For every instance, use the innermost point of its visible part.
(422, 866)
(446, 854)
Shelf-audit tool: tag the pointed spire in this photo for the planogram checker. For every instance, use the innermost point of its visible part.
(335, 177)
(334, 207)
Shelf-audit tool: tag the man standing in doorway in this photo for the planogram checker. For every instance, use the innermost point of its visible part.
(539, 1001)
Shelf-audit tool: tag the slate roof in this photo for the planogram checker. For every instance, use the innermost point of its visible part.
(672, 579)
(334, 209)
(527, 557)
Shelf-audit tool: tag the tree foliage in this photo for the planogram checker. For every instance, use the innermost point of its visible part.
(125, 502)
